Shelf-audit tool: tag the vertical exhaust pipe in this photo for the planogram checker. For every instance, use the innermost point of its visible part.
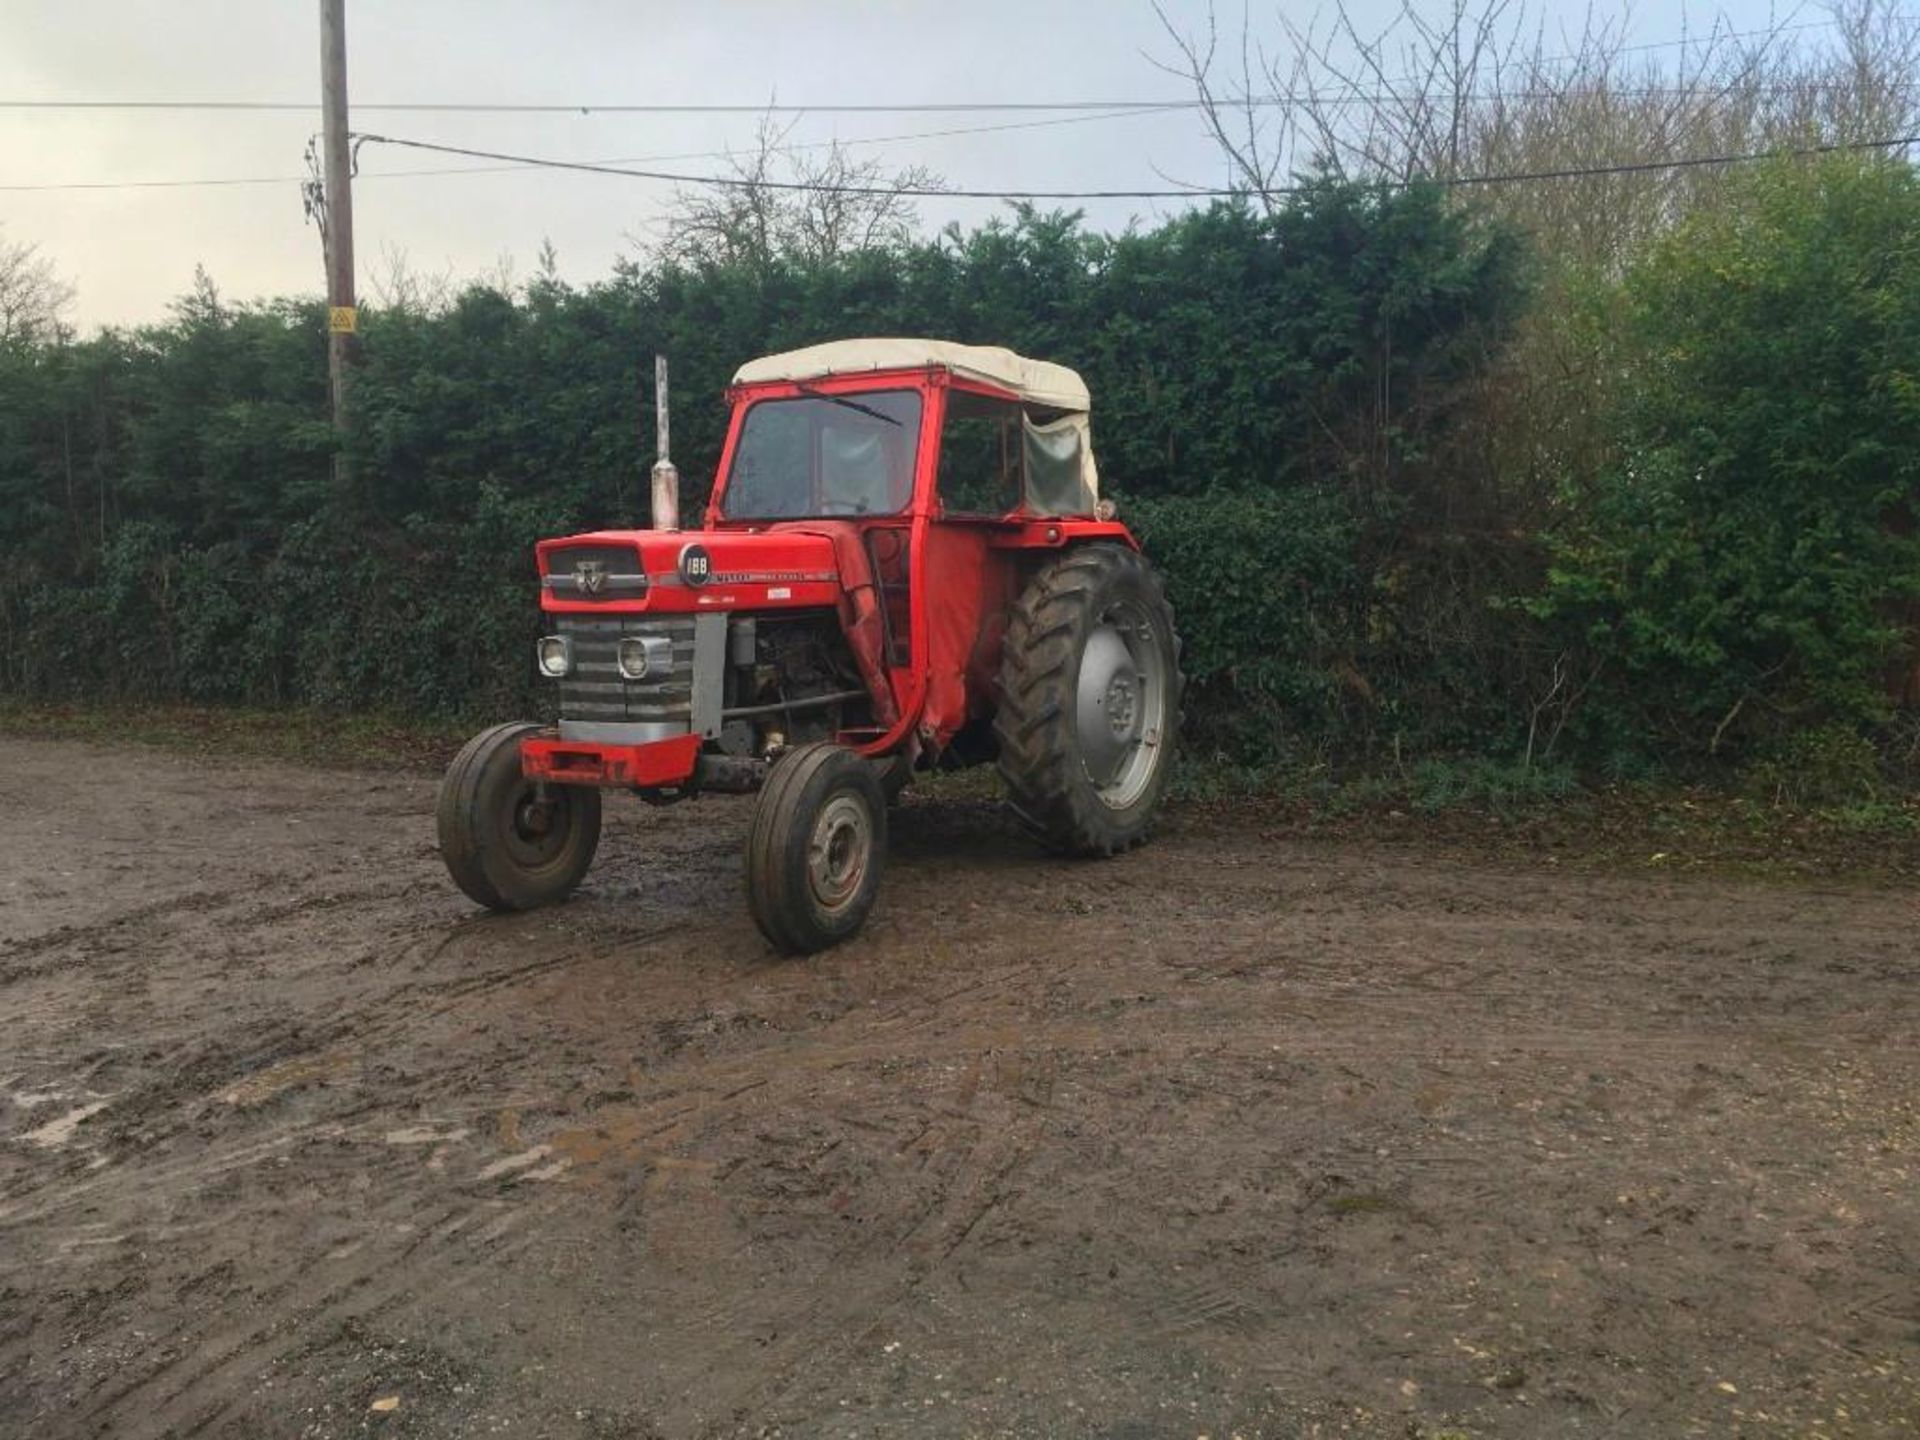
(666, 479)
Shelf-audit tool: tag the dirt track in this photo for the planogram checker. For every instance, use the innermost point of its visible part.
(1234, 1135)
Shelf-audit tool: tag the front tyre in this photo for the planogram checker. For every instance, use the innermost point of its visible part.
(1089, 701)
(815, 848)
(509, 842)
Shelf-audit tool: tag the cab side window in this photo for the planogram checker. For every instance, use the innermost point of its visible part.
(981, 454)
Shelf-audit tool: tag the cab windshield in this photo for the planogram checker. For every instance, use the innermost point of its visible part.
(820, 454)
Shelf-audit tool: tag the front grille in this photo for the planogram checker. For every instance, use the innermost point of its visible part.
(595, 689)
(621, 574)
(617, 559)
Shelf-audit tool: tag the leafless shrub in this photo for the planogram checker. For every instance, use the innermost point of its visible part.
(402, 287)
(33, 295)
(1487, 91)
(786, 202)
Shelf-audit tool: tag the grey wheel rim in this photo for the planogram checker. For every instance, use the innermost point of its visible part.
(1120, 704)
(839, 852)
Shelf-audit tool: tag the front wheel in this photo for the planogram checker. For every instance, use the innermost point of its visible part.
(509, 842)
(815, 848)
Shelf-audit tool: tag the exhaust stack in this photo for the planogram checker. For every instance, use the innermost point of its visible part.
(666, 479)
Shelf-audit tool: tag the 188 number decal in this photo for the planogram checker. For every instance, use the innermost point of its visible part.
(696, 566)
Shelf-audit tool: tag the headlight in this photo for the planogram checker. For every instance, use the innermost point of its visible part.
(639, 656)
(555, 655)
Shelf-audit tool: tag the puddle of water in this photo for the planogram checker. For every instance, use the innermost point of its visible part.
(514, 1162)
(263, 1085)
(423, 1135)
(31, 1099)
(58, 1132)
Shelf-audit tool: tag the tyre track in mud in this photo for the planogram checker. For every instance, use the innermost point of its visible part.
(1229, 1133)
(403, 987)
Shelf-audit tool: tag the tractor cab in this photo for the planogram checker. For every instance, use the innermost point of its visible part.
(882, 513)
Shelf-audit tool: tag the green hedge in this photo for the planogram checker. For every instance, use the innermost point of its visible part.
(1378, 537)
(1748, 568)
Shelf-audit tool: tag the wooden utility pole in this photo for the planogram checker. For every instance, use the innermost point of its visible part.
(343, 317)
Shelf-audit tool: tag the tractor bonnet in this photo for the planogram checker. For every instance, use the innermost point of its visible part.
(1062, 477)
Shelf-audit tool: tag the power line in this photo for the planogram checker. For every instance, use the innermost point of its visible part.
(211, 181)
(1641, 167)
(1283, 102)
(1113, 110)
(506, 108)
(736, 182)
(1065, 107)
(1195, 192)
(1713, 36)
(617, 160)
(614, 166)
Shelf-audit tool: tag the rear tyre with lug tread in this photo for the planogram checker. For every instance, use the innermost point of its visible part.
(1089, 711)
(815, 848)
(509, 842)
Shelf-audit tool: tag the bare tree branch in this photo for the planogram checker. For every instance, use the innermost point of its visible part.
(751, 222)
(1477, 91)
(401, 287)
(33, 296)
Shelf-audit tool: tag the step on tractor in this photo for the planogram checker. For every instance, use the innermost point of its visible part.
(906, 565)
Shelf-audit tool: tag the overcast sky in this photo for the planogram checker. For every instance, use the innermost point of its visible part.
(131, 250)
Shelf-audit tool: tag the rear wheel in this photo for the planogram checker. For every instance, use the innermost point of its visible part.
(509, 842)
(815, 848)
(1090, 701)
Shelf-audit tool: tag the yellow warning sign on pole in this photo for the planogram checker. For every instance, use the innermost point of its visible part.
(343, 319)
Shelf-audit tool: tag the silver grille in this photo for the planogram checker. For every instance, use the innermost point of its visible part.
(595, 690)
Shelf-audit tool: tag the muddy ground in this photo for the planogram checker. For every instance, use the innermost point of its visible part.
(1240, 1134)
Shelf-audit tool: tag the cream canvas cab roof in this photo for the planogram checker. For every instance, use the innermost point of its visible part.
(1038, 382)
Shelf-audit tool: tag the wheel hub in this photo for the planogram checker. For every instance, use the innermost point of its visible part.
(535, 818)
(537, 825)
(1119, 703)
(838, 851)
(1108, 702)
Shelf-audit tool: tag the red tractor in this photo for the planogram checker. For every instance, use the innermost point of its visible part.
(906, 564)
